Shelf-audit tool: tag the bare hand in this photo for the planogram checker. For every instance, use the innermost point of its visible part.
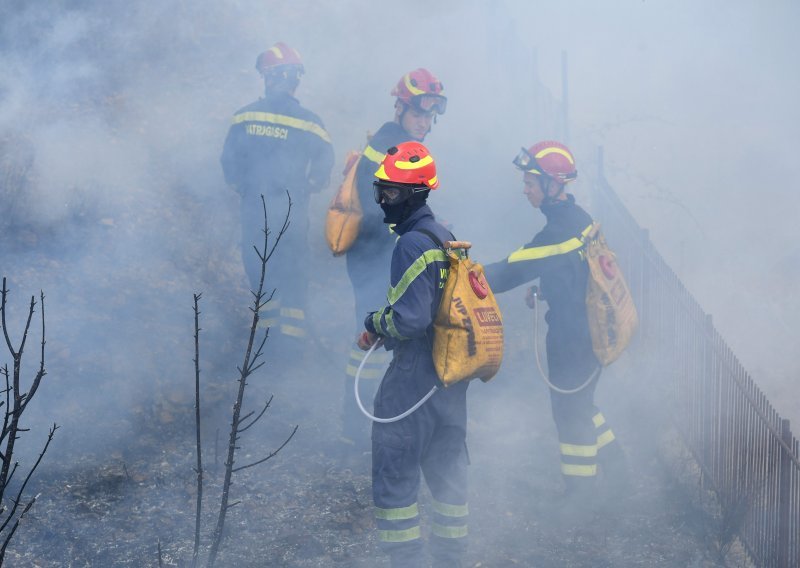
(366, 340)
(531, 297)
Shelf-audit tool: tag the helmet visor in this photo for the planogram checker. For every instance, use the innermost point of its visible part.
(430, 103)
(393, 193)
(525, 162)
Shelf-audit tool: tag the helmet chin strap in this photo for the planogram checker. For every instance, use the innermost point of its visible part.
(548, 182)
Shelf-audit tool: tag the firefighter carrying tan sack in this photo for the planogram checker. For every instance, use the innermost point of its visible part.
(419, 98)
(555, 257)
(431, 440)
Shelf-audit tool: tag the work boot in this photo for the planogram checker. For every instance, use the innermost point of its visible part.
(578, 505)
(614, 471)
(616, 486)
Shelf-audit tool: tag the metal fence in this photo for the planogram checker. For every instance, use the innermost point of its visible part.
(745, 451)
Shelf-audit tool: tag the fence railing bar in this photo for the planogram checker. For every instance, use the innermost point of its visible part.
(745, 451)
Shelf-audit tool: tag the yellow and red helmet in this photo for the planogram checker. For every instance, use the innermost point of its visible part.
(422, 90)
(277, 56)
(548, 158)
(408, 163)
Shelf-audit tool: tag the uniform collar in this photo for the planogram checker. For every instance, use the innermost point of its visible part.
(276, 96)
(416, 216)
(554, 208)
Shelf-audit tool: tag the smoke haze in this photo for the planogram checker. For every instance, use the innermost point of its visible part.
(113, 115)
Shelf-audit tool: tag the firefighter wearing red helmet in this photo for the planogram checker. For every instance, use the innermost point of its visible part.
(431, 440)
(275, 146)
(554, 257)
(419, 98)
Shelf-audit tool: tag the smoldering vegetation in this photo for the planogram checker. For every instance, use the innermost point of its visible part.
(112, 117)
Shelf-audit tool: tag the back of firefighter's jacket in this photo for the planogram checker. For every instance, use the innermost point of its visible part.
(274, 145)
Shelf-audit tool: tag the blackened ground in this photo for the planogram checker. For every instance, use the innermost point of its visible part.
(119, 479)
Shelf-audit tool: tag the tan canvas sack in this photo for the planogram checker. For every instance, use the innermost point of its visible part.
(468, 330)
(609, 305)
(344, 213)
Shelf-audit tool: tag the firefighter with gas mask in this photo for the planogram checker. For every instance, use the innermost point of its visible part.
(419, 99)
(432, 439)
(276, 146)
(554, 257)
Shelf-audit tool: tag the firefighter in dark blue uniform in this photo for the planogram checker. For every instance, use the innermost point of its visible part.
(275, 146)
(419, 98)
(431, 440)
(554, 256)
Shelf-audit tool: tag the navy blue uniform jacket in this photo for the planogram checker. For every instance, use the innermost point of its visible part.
(554, 256)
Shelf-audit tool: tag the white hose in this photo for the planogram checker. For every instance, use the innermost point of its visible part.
(592, 377)
(399, 416)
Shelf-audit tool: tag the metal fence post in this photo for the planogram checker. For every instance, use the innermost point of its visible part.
(784, 497)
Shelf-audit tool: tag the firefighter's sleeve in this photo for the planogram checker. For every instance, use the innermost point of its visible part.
(414, 285)
(233, 157)
(372, 225)
(321, 161)
(527, 263)
(504, 275)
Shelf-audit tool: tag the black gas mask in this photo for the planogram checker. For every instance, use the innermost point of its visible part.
(398, 201)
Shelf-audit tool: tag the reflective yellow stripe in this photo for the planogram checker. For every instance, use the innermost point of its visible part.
(272, 306)
(267, 322)
(579, 470)
(357, 356)
(376, 321)
(410, 87)
(399, 536)
(535, 253)
(450, 510)
(283, 120)
(605, 438)
(292, 330)
(414, 165)
(443, 531)
(377, 357)
(365, 373)
(391, 327)
(598, 419)
(417, 267)
(397, 514)
(294, 313)
(373, 155)
(553, 150)
(579, 451)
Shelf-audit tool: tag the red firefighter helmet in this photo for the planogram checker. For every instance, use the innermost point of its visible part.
(548, 158)
(276, 56)
(421, 89)
(408, 163)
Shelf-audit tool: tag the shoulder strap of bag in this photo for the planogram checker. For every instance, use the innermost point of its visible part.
(434, 238)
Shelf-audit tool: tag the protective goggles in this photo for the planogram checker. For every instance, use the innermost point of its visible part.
(429, 103)
(393, 193)
(526, 162)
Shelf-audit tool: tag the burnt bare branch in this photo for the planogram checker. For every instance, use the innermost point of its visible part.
(15, 527)
(21, 490)
(199, 469)
(260, 414)
(15, 404)
(249, 365)
(3, 318)
(271, 455)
